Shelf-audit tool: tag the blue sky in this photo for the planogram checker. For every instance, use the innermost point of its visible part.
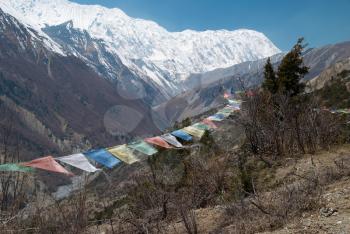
(321, 22)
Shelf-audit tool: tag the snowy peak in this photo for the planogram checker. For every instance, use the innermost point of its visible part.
(24, 39)
(167, 58)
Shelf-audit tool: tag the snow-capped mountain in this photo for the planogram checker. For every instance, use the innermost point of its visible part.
(147, 49)
(28, 38)
(56, 102)
(94, 52)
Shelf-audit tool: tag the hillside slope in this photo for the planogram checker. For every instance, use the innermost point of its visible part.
(331, 217)
(57, 102)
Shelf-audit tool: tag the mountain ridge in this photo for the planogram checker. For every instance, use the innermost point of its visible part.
(143, 46)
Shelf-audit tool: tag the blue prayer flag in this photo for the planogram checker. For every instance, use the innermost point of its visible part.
(182, 135)
(103, 157)
(219, 116)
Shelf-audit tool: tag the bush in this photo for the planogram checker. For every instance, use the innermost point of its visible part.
(279, 125)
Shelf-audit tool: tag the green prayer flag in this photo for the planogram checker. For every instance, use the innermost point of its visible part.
(15, 167)
(201, 126)
(143, 147)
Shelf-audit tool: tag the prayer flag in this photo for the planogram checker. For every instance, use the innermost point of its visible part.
(234, 102)
(232, 107)
(171, 140)
(158, 141)
(182, 135)
(143, 147)
(228, 110)
(225, 114)
(78, 161)
(201, 126)
(194, 131)
(209, 123)
(47, 163)
(103, 157)
(15, 167)
(220, 115)
(124, 154)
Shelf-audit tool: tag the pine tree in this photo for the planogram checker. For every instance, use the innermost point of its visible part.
(270, 80)
(291, 70)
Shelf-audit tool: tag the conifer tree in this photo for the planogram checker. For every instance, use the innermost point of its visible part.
(270, 80)
(291, 70)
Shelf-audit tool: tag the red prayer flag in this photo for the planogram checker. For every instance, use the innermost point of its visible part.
(49, 164)
(158, 141)
(209, 123)
(226, 95)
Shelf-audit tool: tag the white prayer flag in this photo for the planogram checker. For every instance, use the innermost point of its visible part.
(171, 140)
(78, 161)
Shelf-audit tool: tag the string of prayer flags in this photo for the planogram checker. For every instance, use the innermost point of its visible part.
(15, 168)
(124, 154)
(194, 131)
(158, 141)
(113, 156)
(47, 163)
(171, 140)
(103, 157)
(78, 161)
(143, 147)
(209, 123)
(182, 135)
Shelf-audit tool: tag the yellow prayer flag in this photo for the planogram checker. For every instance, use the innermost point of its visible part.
(194, 131)
(123, 153)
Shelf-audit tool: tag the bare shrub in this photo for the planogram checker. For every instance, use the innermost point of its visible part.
(50, 216)
(15, 187)
(279, 125)
(174, 188)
